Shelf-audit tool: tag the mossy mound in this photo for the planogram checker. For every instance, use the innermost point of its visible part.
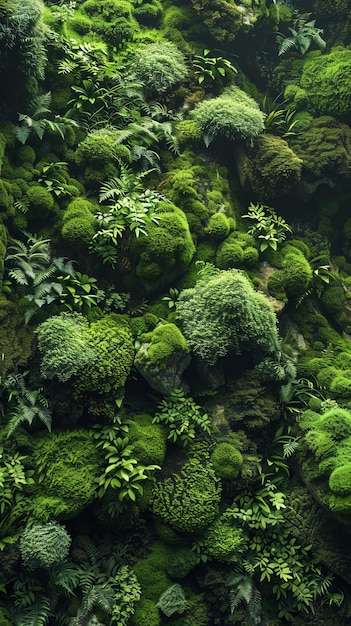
(325, 148)
(167, 250)
(275, 169)
(325, 83)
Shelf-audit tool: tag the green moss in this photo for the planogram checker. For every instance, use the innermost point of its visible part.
(16, 339)
(148, 440)
(164, 340)
(232, 116)
(149, 13)
(111, 340)
(151, 571)
(326, 81)
(67, 464)
(324, 148)
(78, 224)
(26, 153)
(189, 133)
(167, 250)
(98, 149)
(223, 542)
(112, 20)
(188, 501)
(146, 614)
(181, 562)
(41, 202)
(340, 480)
(275, 170)
(159, 66)
(226, 461)
(229, 255)
(218, 226)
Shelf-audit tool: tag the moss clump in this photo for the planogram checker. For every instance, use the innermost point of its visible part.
(78, 223)
(275, 170)
(325, 82)
(167, 250)
(41, 202)
(67, 465)
(148, 440)
(159, 66)
(181, 562)
(295, 277)
(218, 227)
(325, 149)
(98, 149)
(151, 571)
(340, 480)
(111, 341)
(146, 614)
(16, 339)
(226, 461)
(233, 116)
(188, 501)
(237, 251)
(112, 20)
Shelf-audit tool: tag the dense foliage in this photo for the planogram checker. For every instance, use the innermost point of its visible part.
(175, 320)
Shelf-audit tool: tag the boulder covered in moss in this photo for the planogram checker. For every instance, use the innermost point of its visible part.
(167, 250)
(275, 169)
(163, 357)
(325, 147)
(324, 85)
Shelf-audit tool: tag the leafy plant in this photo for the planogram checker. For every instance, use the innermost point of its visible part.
(182, 417)
(243, 589)
(84, 60)
(133, 208)
(269, 228)
(79, 292)
(28, 403)
(172, 298)
(208, 66)
(279, 120)
(122, 472)
(127, 592)
(14, 476)
(36, 120)
(303, 34)
(48, 177)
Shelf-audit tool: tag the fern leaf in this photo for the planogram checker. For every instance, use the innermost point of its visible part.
(286, 45)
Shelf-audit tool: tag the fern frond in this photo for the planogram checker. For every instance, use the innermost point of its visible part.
(286, 45)
(19, 276)
(37, 614)
(43, 275)
(66, 576)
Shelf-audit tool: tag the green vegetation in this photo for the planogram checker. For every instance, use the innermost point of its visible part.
(233, 116)
(175, 313)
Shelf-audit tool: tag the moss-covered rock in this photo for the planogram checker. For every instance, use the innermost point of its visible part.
(325, 82)
(67, 465)
(167, 250)
(275, 169)
(226, 461)
(162, 357)
(325, 148)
